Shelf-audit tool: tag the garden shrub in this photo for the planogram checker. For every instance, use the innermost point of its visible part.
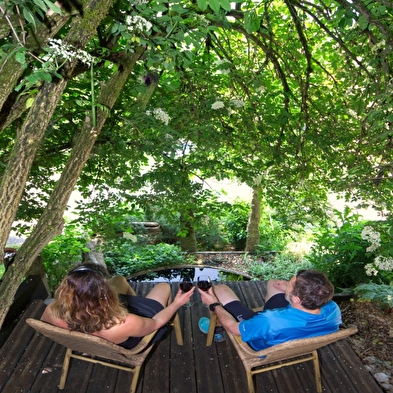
(63, 253)
(273, 235)
(125, 258)
(210, 235)
(235, 224)
(340, 252)
(280, 265)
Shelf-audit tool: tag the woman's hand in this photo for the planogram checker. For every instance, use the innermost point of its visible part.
(182, 298)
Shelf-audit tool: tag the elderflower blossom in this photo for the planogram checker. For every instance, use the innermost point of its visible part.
(261, 89)
(223, 66)
(138, 23)
(383, 263)
(203, 21)
(59, 48)
(218, 105)
(159, 114)
(370, 269)
(372, 236)
(238, 103)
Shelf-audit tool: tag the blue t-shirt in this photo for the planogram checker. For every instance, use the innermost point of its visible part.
(271, 327)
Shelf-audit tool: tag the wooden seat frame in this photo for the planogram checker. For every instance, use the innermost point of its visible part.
(97, 350)
(281, 355)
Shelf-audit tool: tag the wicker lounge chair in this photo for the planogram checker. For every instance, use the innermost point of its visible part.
(281, 355)
(98, 350)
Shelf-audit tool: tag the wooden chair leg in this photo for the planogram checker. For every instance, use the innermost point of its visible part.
(135, 377)
(317, 372)
(250, 381)
(64, 371)
(177, 326)
(212, 326)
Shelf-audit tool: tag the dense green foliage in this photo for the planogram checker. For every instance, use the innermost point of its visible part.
(63, 253)
(124, 258)
(340, 251)
(281, 265)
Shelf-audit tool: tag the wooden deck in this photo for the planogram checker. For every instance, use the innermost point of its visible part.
(32, 363)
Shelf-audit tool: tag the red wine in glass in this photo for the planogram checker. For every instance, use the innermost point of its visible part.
(186, 285)
(204, 283)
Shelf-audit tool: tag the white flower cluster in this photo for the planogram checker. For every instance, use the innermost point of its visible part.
(372, 236)
(238, 103)
(59, 48)
(218, 105)
(261, 89)
(203, 21)
(370, 269)
(233, 103)
(221, 61)
(138, 23)
(383, 263)
(223, 66)
(159, 114)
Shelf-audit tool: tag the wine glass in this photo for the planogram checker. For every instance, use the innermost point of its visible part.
(185, 285)
(204, 283)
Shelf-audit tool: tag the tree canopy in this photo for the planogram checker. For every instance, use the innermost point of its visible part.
(292, 98)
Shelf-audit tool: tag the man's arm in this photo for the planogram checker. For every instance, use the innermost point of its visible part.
(225, 318)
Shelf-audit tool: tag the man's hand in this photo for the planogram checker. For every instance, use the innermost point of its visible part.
(208, 297)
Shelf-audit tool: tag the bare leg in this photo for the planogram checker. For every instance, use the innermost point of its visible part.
(162, 293)
(122, 286)
(274, 287)
(225, 294)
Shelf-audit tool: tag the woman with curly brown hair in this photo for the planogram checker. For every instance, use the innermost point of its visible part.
(87, 301)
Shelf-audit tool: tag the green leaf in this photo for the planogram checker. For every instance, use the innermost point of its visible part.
(29, 102)
(28, 16)
(53, 7)
(214, 5)
(40, 4)
(39, 76)
(160, 8)
(225, 4)
(179, 9)
(20, 57)
(202, 4)
(252, 22)
(363, 23)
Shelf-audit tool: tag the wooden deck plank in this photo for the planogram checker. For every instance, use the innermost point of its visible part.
(50, 371)
(192, 368)
(182, 357)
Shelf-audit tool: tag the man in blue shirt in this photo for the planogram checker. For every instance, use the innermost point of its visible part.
(299, 308)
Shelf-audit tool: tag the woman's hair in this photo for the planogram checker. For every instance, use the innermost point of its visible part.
(87, 301)
(313, 288)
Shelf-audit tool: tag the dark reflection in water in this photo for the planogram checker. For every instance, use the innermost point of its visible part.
(176, 274)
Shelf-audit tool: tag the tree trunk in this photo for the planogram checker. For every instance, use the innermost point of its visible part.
(22, 156)
(253, 221)
(51, 221)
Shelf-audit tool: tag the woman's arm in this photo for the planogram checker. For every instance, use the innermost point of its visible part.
(136, 326)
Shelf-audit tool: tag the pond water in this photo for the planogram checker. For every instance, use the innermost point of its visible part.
(177, 274)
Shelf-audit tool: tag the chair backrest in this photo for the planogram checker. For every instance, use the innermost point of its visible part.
(288, 349)
(92, 345)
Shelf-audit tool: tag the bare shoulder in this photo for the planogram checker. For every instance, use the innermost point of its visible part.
(48, 316)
